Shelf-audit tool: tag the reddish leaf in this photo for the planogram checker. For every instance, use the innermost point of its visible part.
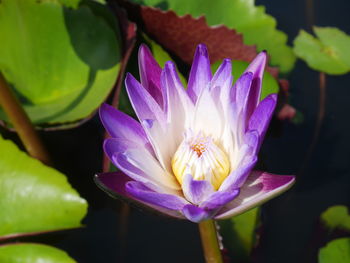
(181, 34)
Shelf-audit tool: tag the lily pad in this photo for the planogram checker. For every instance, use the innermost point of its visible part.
(61, 62)
(257, 27)
(269, 83)
(239, 234)
(34, 197)
(328, 53)
(33, 253)
(336, 217)
(335, 251)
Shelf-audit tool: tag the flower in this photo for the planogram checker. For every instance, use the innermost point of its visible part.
(192, 152)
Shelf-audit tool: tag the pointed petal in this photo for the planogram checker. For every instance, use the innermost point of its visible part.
(150, 73)
(221, 83)
(257, 67)
(238, 108)
(196, 191)
(152, 119)
(120, 125)
(262, 115)
(259, 188)
(179, 107)
(143, 103)
(195, 213)
(114, 185)
(219, 198)
(242, 89)
(139, 164)
(141, 192)
(207, 117)
(238, 176)
(223, 75)
(245, 160)
(200, 74)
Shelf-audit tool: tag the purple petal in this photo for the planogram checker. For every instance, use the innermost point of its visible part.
(259, 188)
(152, 119)
(257, 67)
(150, 74)
(200, 74)
(195, 213)
(252, 141)
(221, 82)
(145, 106)
(114, 185)
(219, 198)
(140, 192)
(223, 75)
(120, 125)
(261, 117)
(178, 105)
(238, 176)
(139, 164)
(196, 191)
(242, 89)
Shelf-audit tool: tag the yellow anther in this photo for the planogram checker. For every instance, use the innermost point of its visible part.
(201, 158)
(199, 148)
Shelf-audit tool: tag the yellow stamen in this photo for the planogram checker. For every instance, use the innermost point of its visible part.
(201, 158)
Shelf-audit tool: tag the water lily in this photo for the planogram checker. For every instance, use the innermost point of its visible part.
(191, 154)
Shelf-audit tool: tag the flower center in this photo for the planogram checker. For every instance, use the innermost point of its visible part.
(198, 147)
(200, 157)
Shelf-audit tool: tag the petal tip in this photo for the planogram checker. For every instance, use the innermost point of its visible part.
(144, 49)
(202, 50)
(273, 96)
(281, 181)
(128, 75)
(169, 65)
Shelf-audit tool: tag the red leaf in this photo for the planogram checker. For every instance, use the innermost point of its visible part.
(181, 34)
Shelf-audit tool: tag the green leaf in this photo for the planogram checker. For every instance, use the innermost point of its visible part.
(336, 217)
(33, 253)
(336, 251)
(337, 40)
(269, 84)
(257, 27)
(329, 53)
(61, 62)
(34, 197)
(239, 234)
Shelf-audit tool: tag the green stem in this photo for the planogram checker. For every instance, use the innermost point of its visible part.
(210, 242)
(22, 123)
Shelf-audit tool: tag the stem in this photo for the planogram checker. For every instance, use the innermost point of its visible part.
(322, 105)
(319, 120)
(129, 35)
(210, 242)
(310, 15)
(22, 123)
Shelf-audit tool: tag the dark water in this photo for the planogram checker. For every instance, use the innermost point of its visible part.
(290, 221)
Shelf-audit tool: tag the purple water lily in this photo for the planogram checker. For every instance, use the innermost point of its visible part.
(192, 152)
